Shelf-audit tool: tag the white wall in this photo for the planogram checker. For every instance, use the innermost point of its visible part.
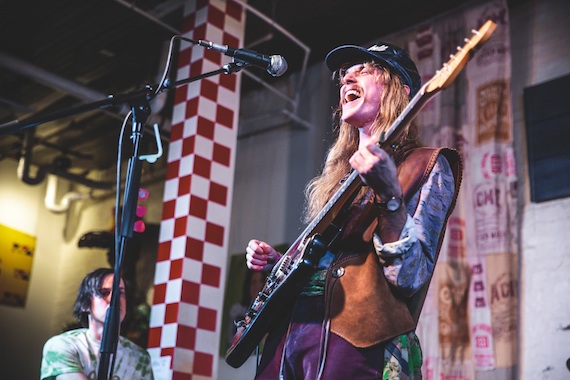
(22, 330)
(540, 39)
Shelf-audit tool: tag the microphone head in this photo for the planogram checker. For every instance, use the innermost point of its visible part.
(278, 66)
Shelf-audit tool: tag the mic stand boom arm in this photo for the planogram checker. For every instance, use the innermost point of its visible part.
(148, 92)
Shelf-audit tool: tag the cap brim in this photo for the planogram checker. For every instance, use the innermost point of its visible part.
(341, 55)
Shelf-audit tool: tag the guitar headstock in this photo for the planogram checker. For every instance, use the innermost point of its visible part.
(446, 75)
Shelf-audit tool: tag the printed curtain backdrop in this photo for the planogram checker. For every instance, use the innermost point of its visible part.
(469, 323)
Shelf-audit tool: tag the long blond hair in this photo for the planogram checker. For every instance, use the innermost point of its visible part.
(392, 102)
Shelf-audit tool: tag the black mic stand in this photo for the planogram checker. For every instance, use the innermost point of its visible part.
(138, 100)
(140, 111)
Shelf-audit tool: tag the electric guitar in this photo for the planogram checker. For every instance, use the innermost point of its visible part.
(292, 271)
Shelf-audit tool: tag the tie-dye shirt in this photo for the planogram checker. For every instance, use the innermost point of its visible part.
(77, 351)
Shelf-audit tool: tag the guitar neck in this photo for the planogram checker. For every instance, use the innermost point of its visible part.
(409, 113)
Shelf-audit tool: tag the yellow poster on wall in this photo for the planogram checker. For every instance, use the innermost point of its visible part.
(16, 257)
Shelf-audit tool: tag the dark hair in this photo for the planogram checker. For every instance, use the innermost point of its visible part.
(90, 286)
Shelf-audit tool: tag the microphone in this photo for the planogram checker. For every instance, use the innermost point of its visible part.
(274, 64)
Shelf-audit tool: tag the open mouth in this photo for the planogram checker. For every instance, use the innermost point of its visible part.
(351, 95)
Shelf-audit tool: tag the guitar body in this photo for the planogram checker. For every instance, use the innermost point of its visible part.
(275, 300)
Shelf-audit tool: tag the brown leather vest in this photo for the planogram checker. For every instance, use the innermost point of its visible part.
(362, 306)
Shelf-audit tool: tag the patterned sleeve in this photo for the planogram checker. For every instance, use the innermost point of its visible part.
(59, 357)
(409, 262)
(134, 362)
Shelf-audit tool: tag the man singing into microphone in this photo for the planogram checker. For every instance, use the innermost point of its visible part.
(355, 318)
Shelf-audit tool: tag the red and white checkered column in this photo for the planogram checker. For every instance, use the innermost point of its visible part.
(190, 276)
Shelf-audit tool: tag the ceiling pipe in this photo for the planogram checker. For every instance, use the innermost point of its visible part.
(66, 200)
(58, 167)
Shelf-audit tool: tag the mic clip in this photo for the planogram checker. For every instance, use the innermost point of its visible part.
(235, 66)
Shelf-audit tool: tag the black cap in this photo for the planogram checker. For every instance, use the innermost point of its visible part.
(390, 56)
